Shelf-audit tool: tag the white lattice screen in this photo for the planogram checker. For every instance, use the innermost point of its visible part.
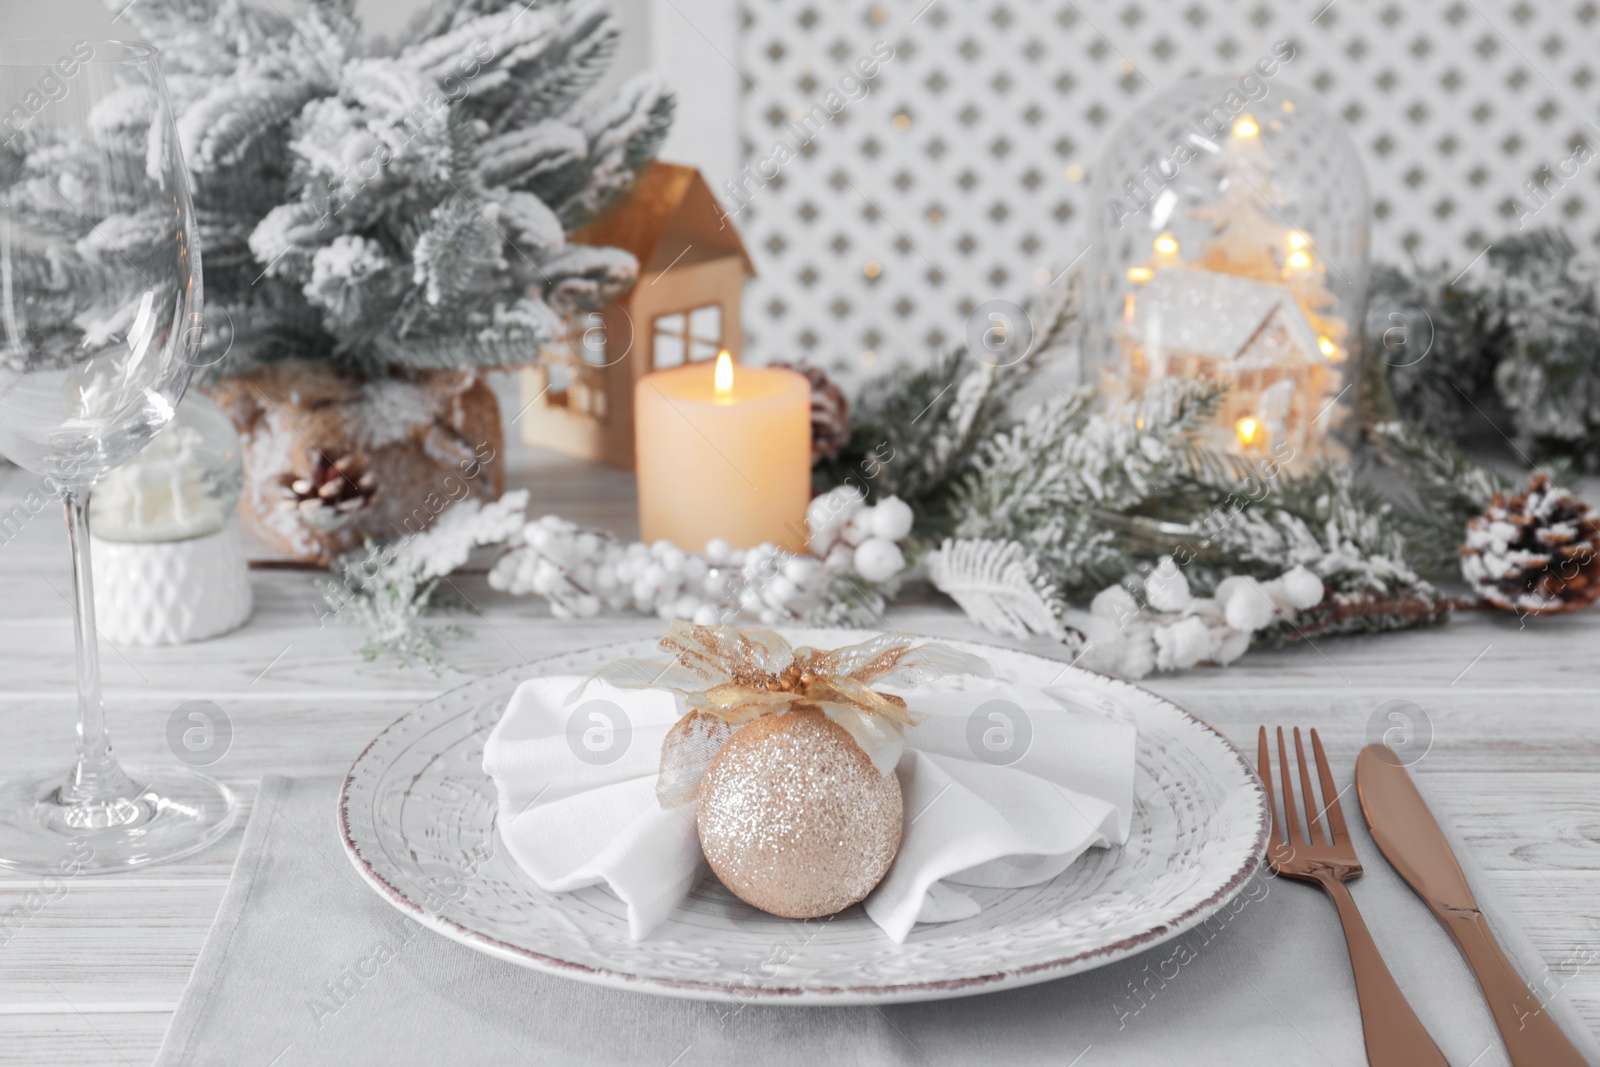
(961, 176)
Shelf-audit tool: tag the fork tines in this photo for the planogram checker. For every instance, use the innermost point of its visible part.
(1315, 833)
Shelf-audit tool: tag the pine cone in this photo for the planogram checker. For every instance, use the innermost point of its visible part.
(830, 412)
(333, 491)
(1536, 554)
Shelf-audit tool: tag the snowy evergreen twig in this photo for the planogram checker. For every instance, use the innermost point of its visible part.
(916, 431)
(1509, 344)
(1450, 489)
(1049, 481)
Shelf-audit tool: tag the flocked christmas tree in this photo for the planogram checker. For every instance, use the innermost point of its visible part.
(402, 207)
(1251, 237)
(1247, 234)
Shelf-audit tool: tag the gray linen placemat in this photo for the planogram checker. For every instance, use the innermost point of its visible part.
(307, 965)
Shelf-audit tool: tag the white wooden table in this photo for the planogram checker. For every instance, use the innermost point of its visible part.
(93, 977)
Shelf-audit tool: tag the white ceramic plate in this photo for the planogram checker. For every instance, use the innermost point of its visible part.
(417, 816)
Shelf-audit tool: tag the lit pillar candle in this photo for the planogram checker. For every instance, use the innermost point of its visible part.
(723, 453)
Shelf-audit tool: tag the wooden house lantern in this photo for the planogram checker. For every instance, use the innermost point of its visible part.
(684, 309)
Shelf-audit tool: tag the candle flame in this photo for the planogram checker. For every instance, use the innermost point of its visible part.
(1246, 127)
(1166, 244)
(1139, 274)
(1297, 239)
(1299, 260)
(1327, 347)
(723, 378)
(1248, 428)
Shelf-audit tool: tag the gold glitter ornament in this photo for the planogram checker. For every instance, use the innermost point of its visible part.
(791, 754)
(794, 818)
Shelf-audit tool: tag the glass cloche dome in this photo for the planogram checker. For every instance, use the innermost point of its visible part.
(1230, 243)
(185, 484)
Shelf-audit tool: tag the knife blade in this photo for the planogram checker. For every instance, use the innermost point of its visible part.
(1409, 837)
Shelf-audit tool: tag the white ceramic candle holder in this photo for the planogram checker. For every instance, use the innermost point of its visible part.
(171, 592)
(168, 564)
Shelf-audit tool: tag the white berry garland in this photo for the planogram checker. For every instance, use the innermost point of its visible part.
(582, 572)
(855, 560)
(1174, 629)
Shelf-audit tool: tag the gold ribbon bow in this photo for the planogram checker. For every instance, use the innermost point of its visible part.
(724, 678)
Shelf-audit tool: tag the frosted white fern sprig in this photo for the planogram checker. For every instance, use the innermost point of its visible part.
(388, 598)
(388, 588)
(997, 584)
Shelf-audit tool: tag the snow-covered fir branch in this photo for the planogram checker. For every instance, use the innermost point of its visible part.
(1049, 481)
(401, 204)
(1449, 487)
(1511, 343)
(916, 431)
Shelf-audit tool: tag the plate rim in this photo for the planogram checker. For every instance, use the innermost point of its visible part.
(899, 992)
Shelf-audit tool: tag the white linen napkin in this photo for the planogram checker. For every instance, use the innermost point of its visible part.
(1004, 785)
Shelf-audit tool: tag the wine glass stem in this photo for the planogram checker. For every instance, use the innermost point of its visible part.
(96, 777)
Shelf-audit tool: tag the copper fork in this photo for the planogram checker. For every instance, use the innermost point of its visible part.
(1394, 1035)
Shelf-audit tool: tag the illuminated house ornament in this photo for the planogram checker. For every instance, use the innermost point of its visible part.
(1230, 243)
(1249, 335)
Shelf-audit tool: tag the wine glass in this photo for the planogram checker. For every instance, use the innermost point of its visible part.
(99, 324)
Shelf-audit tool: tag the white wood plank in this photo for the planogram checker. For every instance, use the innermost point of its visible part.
(128, 945)
(81, 1039)
(1560, 912)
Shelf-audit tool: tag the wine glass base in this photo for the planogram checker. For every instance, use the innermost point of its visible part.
(178, 813)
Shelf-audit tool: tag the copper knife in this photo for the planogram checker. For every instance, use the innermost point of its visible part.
(1409, 836)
